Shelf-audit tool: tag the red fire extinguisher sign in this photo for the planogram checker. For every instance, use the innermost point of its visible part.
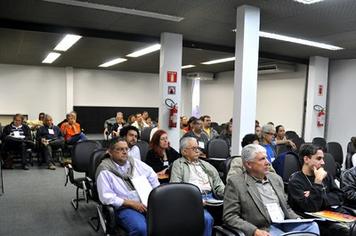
(172, 76)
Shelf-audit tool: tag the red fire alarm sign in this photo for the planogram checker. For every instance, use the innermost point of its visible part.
(171, 76)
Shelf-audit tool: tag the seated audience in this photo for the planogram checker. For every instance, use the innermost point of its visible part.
(131, 119)
(207, 129)
(35, 124)
(258, 131)
(115, 188)
(50, 138)
(71, 130)
(312, 189)
(161, 155)
(117, 126)
(108, 124)
(145, 116)
(16, 137)
(281, 137)
(139, 123)
(189, 124)
(353, 157)
(254, 200)
(66, 119)
(149, 122)
(268, 142)
(197, 133)
(131, 135)
(190, 169)
(226, 134)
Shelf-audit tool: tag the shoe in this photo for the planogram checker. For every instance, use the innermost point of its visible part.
(25, 167)
(51, 167)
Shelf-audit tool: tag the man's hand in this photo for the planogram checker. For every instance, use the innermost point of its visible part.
(138, 206)
(290, 143)
(320, 174)
(259, 232)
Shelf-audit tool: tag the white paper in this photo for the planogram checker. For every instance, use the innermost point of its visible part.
(214, 202)
(275, 212)
(143, 188)
(201, 145)
(295, 221)
(17, 134)
(50, 131)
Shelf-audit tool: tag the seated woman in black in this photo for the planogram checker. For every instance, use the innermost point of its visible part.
(161, 155)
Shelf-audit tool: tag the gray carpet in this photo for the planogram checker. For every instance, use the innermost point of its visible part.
(37, 203)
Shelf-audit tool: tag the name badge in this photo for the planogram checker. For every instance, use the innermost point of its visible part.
(165, 163)
(201, 145)
(16, 134)
(275, 212)
(50, 131)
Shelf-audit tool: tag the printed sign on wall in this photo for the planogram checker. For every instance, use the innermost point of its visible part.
(172, 76)
(171, 89)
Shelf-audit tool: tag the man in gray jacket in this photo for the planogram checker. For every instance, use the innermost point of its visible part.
(190, 169)
(255, 202)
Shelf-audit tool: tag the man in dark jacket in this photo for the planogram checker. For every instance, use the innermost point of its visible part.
(312, 189)
(348, 186)
(50, 138)
(16, 137)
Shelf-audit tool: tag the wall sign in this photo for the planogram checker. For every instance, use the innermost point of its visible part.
(172, 76)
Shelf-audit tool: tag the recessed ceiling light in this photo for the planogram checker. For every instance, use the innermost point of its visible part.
(121, 10)
(299, 41)
(67, 42)
(219, 61)
(308, 1)
(113, 62)
(145, 51)
(51, 57)
(188, 66)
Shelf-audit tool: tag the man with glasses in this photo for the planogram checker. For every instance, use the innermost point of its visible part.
(131, 135)
(268, 142)
(190, 169)
(115, 187)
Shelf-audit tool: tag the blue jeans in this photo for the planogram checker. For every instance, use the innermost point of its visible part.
(208, 219)
(77, 138)
(132, 221)
(280, 229)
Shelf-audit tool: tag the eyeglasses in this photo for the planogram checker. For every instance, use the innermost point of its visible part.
(195, 149)
(121, 149)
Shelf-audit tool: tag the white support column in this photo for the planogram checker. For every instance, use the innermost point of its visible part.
(245, 77)
(196, 97)
(170, 83)
(316, 95)
(69, 89)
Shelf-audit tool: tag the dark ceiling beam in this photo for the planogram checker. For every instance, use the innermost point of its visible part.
(106, 34)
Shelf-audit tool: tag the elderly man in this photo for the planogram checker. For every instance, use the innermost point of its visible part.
(131, 134)
(268, 142)
(115, 187)
(254, 200)
(50, 138)
(71, 130)
(313, 189)
(190, 169)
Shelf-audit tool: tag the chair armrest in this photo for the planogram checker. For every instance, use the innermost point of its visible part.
(110, 218)
(227, 231)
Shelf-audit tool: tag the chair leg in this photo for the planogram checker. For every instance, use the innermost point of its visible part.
(95, 222)
(75, 202)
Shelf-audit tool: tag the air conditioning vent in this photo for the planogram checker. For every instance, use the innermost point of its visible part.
(276, 68)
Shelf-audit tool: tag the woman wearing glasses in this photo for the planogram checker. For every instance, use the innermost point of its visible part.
(161, 155)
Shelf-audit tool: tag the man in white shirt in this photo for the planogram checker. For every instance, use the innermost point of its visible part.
(114, 182)
(131, 135)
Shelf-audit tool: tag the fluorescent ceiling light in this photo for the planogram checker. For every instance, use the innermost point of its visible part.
(308, 1)
(67, 42)
(51, 57)
(117, 9)
(145, 51)
(113, 62)
(188, 66)
(299, 41)
(219, 61)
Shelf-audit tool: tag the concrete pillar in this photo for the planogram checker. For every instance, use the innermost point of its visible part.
(245, 76)
(316, 95)
(170, 83)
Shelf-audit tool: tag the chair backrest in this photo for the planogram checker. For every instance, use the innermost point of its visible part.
(335, 149)
(97, 156)
(143, 146)
(350, 151)
(281, 148)
(291, 165)
(218, 148)
(320, 142)
(330, 165)
(184, 217)
(82, 152)
(145, 134)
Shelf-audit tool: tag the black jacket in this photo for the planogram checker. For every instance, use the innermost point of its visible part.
(153, 160)
(7, 130)
(321, 197)
(348, 186)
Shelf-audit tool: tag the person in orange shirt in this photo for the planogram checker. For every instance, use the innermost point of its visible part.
(71, 130)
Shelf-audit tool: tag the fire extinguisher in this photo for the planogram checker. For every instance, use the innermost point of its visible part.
(320, 117)
(173, 113)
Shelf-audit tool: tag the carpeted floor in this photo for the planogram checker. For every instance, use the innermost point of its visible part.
(36, 203)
